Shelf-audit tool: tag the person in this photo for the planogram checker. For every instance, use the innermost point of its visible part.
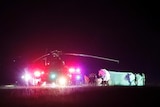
(140, 79)
(143, 78)
(86, 79)
(128, 78)
(92, 78)
(105, 76)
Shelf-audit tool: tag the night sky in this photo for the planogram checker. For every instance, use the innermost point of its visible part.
(123, 30)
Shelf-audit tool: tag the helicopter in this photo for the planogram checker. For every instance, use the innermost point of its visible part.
(50, 68)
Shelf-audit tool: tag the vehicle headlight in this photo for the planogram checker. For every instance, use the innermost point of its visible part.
(62, 81)
(26, 77)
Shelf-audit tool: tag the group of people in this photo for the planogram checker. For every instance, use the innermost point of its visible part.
(102, 79)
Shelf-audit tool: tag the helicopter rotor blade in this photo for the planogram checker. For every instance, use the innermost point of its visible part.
(92, 56)
(41, 57)
(57, 53)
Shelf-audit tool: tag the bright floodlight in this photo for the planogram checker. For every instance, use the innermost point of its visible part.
(26, 77)
(37, 73)
(62, 81)
(71, 70)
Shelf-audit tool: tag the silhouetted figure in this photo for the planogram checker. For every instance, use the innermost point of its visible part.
(127, 77)
(136, 82)
(92, 78)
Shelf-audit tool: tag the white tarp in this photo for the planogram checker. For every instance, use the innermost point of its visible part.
(126, 78)
(104, 74)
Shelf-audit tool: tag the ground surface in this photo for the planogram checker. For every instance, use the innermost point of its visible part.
(111, 96)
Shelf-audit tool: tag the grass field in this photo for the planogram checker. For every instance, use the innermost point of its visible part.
(111, 96)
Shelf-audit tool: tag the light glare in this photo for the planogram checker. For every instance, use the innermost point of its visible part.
(62, 81)
(78, 70)
(78, 77)
(37, 73)
(71, 70)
